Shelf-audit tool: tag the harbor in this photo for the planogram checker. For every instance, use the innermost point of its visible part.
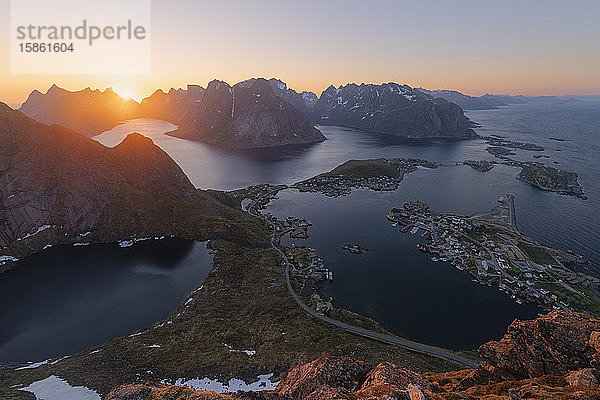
(490, 248)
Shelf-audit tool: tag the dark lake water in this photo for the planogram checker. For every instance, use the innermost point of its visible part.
(67, 298)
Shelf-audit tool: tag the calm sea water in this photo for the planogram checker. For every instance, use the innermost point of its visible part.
(66, 299)
(393, 282)
(402, 288)
(561, 221)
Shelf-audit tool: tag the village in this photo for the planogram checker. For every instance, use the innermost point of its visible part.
(339, 185)
(487, 246)
(494, 253)
(382, 174)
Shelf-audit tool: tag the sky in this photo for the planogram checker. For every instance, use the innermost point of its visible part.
(532, 47)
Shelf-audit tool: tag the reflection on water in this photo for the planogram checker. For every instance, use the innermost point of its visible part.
(68, 298)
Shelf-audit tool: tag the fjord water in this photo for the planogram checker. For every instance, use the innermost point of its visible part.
(565, 222)
(402, 288)
(66, 299)
(393, 282)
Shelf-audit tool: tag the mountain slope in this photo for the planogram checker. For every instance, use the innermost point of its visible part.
(87, 111)
(56, 184)
(246, 115)
(173, 105)
(393, 109)
(305, 101)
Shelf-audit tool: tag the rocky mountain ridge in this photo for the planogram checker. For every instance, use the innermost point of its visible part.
(394, 109)
(490, 101)
(283, 116)
(247, 115)
(86, 111)
(466, 102)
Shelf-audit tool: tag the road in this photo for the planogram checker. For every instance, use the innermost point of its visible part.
(381, 337)
(511, 211)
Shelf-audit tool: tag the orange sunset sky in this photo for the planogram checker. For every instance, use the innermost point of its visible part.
(476, 47)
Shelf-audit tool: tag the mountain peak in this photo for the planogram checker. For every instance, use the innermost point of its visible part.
(55, 89)
(136, 139)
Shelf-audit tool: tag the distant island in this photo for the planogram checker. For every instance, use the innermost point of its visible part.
(490, 101)
(482, 166)
(551, 179)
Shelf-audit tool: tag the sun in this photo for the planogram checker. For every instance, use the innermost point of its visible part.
(127, 94)
(124, 93)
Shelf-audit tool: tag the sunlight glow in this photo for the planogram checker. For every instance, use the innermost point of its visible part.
(126, 94)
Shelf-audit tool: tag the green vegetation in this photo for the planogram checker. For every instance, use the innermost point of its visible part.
(551, 179)
(537, 254)
(365, 169)
(588, 303)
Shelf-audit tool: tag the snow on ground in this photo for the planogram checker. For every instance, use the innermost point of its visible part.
(41, 228)
(81, 244)
(206, 384)
(34, 365)
(232, 350)
(5, 259)
(54, 388)
(128, 243)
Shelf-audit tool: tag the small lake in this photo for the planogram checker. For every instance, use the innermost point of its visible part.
(68, 298)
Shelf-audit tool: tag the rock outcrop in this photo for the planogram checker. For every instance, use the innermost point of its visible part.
(247, 115)
(324, 374)
(87, 111)
(392, 109)
(555, 344)
(552, 357)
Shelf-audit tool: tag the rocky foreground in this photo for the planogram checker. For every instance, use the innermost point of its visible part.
(555, 356)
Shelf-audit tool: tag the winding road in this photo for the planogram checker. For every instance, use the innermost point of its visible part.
(381, 337)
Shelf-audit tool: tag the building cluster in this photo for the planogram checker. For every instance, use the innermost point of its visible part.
(341, 185)
(492, 256)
